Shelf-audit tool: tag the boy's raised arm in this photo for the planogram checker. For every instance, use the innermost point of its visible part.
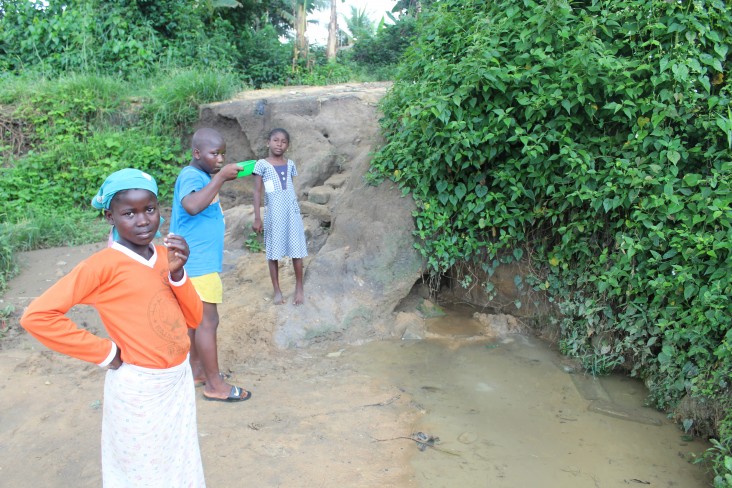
(197, 201)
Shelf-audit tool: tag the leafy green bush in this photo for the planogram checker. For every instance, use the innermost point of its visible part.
(387, 46)
(112, 36)
(324, 74)
(125, 38)
(89, 36)
(597, 135)
(267, 60)
(719, 456)
(208, 46)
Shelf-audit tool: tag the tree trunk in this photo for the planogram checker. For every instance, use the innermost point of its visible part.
(301, 42)
(331, 51)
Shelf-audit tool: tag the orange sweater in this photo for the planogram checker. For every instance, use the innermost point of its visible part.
(144, 313)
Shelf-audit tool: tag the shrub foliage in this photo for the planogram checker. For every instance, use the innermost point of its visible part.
(387, 46)
(595, 137)
(111, 36)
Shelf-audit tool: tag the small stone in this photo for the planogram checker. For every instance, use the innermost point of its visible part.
(320, 195)
(337, 180)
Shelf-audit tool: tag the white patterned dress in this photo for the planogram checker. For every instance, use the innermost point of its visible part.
(284, 234)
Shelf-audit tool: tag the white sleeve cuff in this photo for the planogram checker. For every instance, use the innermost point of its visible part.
(110, 356)
(178, 283)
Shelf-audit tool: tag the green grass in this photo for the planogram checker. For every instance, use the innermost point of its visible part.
(8, 263)
(175, 97)
(15, 87)
(44, 228)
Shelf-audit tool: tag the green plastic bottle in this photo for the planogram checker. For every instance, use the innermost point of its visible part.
(247, 167)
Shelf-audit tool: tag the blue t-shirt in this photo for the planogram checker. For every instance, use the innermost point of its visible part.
(204, 232)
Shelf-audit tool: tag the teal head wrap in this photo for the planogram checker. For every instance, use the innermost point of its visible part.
(124, 179)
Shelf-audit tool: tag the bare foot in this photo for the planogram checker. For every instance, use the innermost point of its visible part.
(299, 298)
(199, 376)
(278, 300)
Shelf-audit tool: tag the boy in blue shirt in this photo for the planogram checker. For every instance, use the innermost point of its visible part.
(198, 217)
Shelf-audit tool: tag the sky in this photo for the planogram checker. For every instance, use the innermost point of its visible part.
(375, 10)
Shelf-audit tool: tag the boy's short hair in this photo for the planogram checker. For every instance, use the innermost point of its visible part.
(206, 136)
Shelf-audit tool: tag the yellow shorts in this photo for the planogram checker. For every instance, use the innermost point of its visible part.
(209, 287)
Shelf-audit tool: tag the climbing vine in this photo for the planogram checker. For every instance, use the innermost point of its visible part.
(598, 135)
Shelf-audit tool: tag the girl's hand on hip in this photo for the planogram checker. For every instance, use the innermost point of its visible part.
(117, 361)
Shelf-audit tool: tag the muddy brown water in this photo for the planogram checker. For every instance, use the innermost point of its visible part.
(508, 414)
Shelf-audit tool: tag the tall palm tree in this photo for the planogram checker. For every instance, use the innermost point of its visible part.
(359, 24)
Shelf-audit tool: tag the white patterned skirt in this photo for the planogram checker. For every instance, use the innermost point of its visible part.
(149, 432)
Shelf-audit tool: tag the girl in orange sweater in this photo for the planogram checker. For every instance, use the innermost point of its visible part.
(147, 305)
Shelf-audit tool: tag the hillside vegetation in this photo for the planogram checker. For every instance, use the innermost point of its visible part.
(591, 140)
